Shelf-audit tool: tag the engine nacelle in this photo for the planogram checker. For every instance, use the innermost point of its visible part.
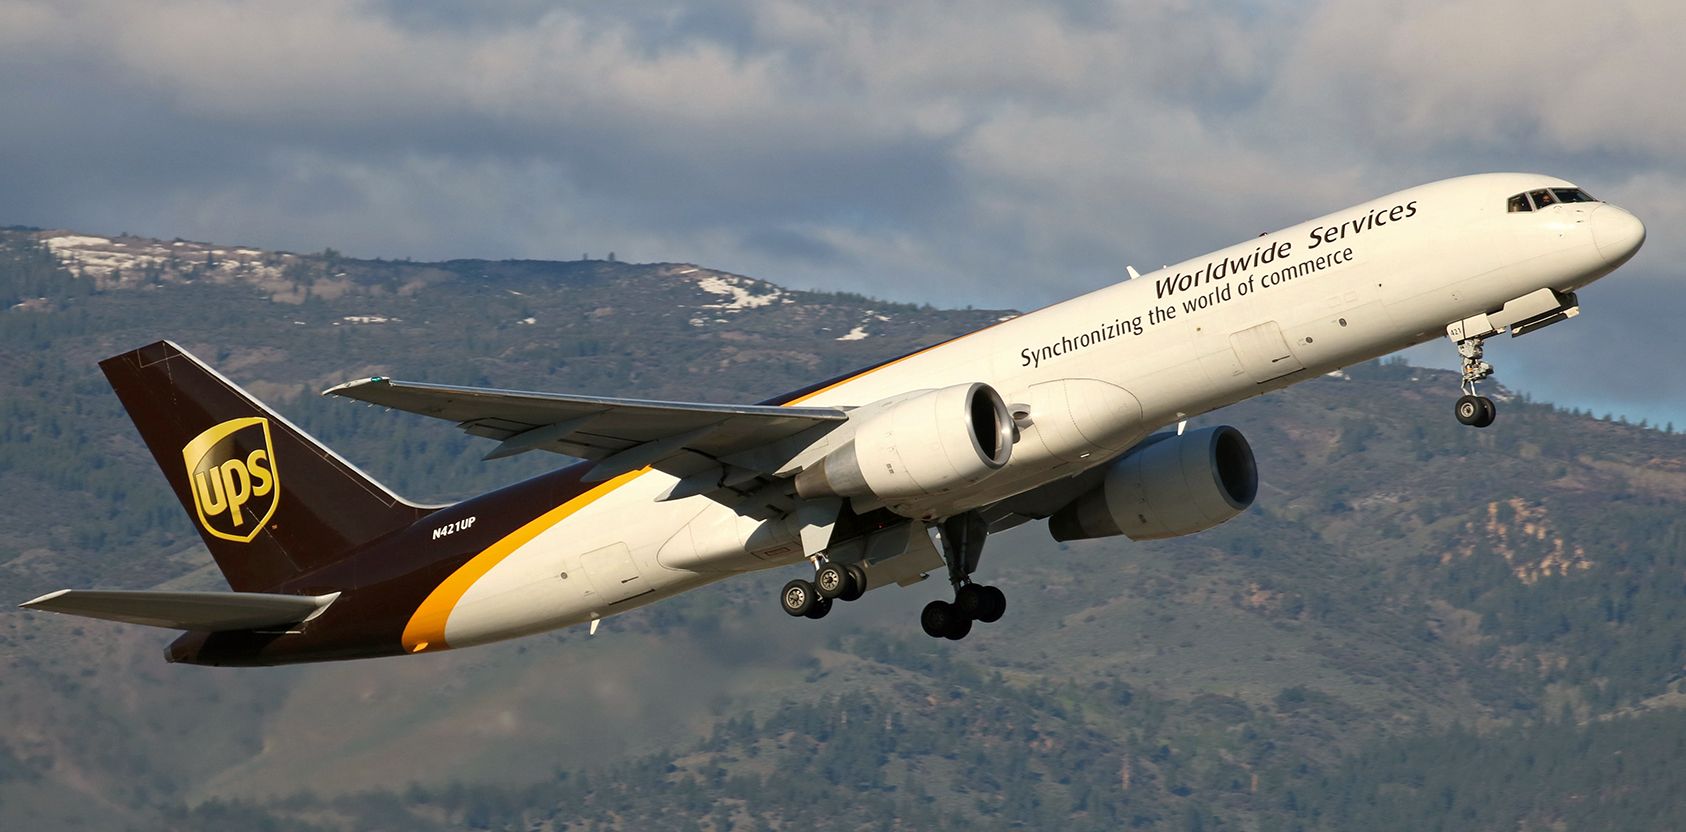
(1171, 487)
(928, 443)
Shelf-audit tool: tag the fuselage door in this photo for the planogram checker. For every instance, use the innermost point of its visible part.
(1264, 353)
(613, 573)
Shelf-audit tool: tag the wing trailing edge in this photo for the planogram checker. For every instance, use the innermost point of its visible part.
(203, 611)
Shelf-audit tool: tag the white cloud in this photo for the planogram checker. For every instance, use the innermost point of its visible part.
(1529, 75)
(991, 153)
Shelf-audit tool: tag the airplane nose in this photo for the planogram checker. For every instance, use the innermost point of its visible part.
(1616, 233)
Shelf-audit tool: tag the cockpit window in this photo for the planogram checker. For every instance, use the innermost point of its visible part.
(1534, 200)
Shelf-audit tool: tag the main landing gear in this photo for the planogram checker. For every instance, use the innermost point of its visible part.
(832, 582)
(962, 539)
(972, 602)
(1474, 410)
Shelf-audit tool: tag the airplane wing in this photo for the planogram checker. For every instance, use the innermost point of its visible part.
(211, 611)
(621, 435)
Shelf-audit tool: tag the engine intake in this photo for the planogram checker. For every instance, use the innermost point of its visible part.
(1166, 487)
(927, 443)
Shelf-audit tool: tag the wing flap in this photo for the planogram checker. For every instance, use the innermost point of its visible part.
(209, 611)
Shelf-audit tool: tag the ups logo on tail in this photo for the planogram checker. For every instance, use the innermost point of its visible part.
(231, 469)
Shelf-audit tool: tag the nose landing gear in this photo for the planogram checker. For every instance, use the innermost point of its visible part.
(1472, 409)
(1476, 411)
(1536, 310)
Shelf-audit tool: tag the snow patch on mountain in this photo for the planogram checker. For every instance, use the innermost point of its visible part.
(739, 290)
(131, 262)
(72, 241)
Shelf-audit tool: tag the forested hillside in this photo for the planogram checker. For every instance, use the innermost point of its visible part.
(1418, 626)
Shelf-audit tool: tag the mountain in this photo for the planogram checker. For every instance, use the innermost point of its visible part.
(1419, 625)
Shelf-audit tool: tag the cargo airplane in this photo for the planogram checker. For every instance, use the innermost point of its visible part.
(1073, 414)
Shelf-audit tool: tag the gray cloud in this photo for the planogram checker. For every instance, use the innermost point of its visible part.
(987, 153)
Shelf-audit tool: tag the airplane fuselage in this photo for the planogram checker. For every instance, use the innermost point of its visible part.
(1091, 377)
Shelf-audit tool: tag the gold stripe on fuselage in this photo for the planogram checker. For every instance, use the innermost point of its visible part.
(426, 628)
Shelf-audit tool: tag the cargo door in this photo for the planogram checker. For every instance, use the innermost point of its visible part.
(1264, 353)
(613, 574)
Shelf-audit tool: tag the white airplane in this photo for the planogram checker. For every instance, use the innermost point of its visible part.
(876, 478)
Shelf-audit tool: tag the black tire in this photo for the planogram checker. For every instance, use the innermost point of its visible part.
(833, 581)
(936, 618)
(1468, 410)
(820, 609)
(1489, 412)
(995, 605)
(858, 587)
(958, 627)
(971, 600)
(798, 597)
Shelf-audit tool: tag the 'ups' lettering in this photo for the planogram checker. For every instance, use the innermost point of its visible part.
(258, 466)
(210, 498)
(231, 472)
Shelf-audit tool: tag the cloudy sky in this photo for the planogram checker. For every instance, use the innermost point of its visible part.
(981, 153)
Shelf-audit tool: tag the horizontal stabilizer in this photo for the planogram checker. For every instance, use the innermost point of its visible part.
(210, 611)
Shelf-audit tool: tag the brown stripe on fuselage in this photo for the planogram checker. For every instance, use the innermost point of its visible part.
(384, 584)
(805, 393)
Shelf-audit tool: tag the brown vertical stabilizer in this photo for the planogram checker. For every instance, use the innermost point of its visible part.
(271, 502)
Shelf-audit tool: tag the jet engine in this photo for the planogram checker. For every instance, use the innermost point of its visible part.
(1166, 487)
(927, 443)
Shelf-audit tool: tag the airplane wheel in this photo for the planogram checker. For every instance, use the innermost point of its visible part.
(820, 609)
(971, 600)
(1469, 410)
(938, 617)
(1489, 412)
(857, 587)
(995, 606)
(833, 581)
(798, 598)
(958, 627)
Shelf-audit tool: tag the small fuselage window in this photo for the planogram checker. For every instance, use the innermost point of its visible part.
(1534, 200)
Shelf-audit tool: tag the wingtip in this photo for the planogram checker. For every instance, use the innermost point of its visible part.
(42, 599)
(339, 389)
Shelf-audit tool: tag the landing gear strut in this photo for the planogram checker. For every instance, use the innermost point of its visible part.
(962, 538)
(1474, 410)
